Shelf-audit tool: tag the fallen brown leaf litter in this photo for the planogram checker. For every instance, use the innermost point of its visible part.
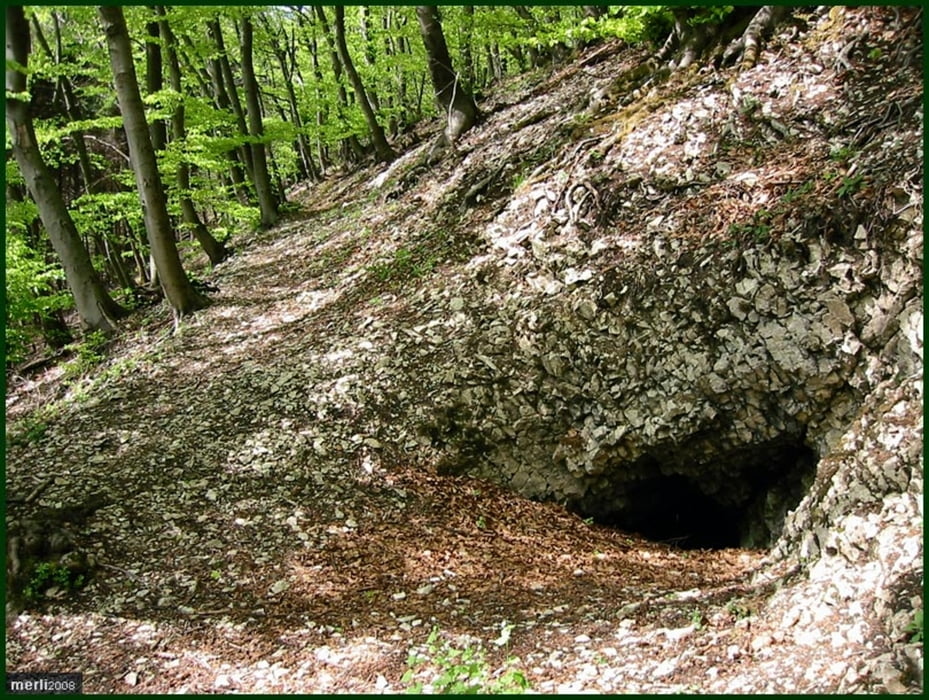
(345, 600)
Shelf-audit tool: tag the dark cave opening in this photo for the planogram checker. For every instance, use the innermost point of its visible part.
(740, 501)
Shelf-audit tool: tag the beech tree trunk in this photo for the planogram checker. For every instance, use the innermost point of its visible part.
(214, 250)
(95, 307)
(450, 93)
(154, 82)
(350, 144)
(239, 169)
(266, 200)
(225, 82)
(285, 50)
(180, 293)
(383, 150)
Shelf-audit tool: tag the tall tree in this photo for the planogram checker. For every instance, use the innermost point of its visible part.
(95, 307)
(381, 148)
(226, 91)
(285, 51)
(181, 294)
(214, 250)
(350, 144)
(154, 81)
(267, 202)
(450, 93)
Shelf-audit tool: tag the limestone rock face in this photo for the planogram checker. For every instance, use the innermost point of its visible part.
(757, 386)
(745, 372)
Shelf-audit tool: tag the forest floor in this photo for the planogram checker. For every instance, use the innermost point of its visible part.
(238, 551)
(265, 576)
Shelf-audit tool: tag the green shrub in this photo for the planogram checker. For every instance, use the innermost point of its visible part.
(915, 628)
(89, 353)
(461, 671)
(47, 575)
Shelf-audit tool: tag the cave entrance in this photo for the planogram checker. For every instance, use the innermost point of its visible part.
(740, 500)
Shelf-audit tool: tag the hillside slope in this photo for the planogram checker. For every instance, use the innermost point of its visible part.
(689, 308)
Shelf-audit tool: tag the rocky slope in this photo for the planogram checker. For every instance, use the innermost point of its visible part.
(689, 307)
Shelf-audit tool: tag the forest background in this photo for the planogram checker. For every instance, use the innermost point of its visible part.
(118, 199)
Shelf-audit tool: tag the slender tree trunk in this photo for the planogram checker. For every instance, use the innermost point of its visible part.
(214, 250)
(451, 95)
(226, 79)
(266, 200)
(350, 144)
(383, 150)
(71, 109)
(467, 56)
(95, 307)
(181, 295)
(321, 148)
(237, 156)
(285, 53)
(535, 56)
(369, 53)
(154, 82)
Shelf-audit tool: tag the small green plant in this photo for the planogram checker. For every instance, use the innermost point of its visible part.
(850, 185)
(47, 575)
(89, 353)
(738, 610)
(759, 228)
(797, 192)
(750, 104)
(481, 522)
(875, 53)
(915, 628)
(30, 430)
(460, 671)
(759, 232)
(696, 618)
(405, 263)
(841, 154)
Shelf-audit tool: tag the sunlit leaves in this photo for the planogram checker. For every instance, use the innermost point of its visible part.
(30, 283)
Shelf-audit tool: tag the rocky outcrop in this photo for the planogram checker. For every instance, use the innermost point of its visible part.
(759, 384)
(733, 368)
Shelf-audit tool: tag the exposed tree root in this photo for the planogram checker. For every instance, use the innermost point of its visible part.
(742, 34)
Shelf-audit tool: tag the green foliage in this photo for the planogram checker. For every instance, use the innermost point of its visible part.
(738, 610)
(88, 354)
(460, 671)
(47, 575)
(696, 618)
(796, 193)
(406, 263)
(758, 229)
(29, 430)
(31, 289)
(841, 154)
(634, 24)
(850, 185)
(710, 14)
(915, 628)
